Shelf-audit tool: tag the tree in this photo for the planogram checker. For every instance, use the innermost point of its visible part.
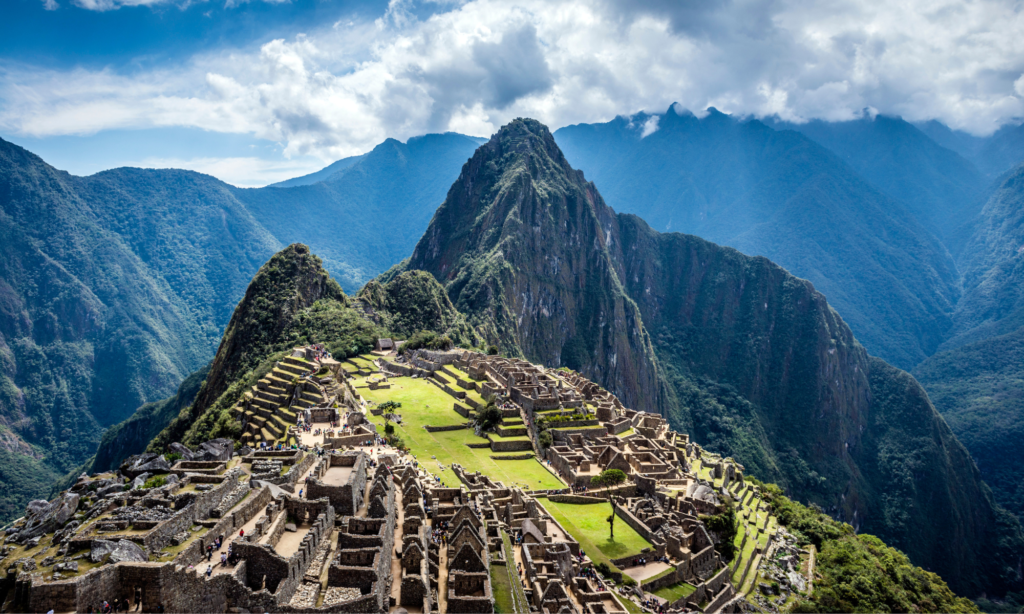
(488, 417)
(609, 478)
(492, 350)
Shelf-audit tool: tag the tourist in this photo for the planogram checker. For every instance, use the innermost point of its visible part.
(209, 570)
(223, 559)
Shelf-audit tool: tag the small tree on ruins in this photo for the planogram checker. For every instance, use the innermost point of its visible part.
(608, 479)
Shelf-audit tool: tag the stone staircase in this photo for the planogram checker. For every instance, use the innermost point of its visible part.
(269, 408)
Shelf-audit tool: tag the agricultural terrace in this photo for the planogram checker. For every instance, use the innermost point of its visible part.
(588, 525)
(425, 404)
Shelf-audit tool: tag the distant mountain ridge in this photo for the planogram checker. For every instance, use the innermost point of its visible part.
(780, 195)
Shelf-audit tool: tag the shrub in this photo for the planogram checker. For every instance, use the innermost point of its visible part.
(545, 439)
(172, 457)
(156, 481)
(389, 429)
(492, 350)
(488, 417)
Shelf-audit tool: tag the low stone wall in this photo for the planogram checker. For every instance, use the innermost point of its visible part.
(458, 394)
(578, 499)
(440, 429)
(462, 410)
(479, 445)
(512, 456)
(575, 424)
(498, 445)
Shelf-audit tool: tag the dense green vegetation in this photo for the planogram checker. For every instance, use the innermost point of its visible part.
(979, 389)
(113, 288)
(780, 195)
(414, 305)
(859, 573)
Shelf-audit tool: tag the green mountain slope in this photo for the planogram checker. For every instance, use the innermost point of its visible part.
(979, 389)
(113, 288)
(938, 186)
(366, 217)
(993, 155)
(975, 382)
(750, 359)
(780, 195)
(992, 263)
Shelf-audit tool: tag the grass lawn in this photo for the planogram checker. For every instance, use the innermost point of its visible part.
(588, 524)
(501, 588)
(675, 592)
(424, 403)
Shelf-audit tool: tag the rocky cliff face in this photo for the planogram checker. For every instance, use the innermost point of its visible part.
(750, 359)
(522, 245)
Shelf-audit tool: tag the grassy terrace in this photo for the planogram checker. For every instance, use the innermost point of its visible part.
(675, 592)
(588, 525)
(426, 404)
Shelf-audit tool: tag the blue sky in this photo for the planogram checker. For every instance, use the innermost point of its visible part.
(257, 91)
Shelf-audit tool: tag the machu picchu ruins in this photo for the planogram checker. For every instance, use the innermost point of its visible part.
(368, 484)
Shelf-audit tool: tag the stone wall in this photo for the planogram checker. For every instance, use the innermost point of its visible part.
(498, 445)
(346, 498)
(440, 429)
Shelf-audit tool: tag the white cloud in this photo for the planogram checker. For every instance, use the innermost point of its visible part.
(471, 67)
(50, 5)
(241, 172)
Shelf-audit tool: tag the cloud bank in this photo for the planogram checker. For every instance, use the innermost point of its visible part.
(473, 66)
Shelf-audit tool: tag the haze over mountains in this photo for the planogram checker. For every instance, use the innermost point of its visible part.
(117, 286)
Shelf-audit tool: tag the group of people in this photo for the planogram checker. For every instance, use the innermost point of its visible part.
(319, 352)
(579, 490)
(119, 605)
(439, 534)
(653, 605)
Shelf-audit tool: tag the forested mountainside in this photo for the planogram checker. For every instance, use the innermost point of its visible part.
(113, 288)
(412, 302)
(779, 194)
(976, 380)
(993, 155)
(364, 218)
(940, 187)
(733, 348)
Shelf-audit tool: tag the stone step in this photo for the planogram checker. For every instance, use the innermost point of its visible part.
(265, 404)
(277, 399)
(298, 362)
(291, 369)
(274, 428)
(265, 435)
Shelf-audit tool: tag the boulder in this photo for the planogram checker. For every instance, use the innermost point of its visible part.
(28, 565)
(130, 465)
(139, 481)
(290, 527)
(47, 516)
(215, 450)
(119, 551)
(173, 479)
(157, 465)
(178, 448)
(109, 490)
(68, 567)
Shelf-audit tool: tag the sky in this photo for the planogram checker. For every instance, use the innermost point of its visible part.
(257, 91)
